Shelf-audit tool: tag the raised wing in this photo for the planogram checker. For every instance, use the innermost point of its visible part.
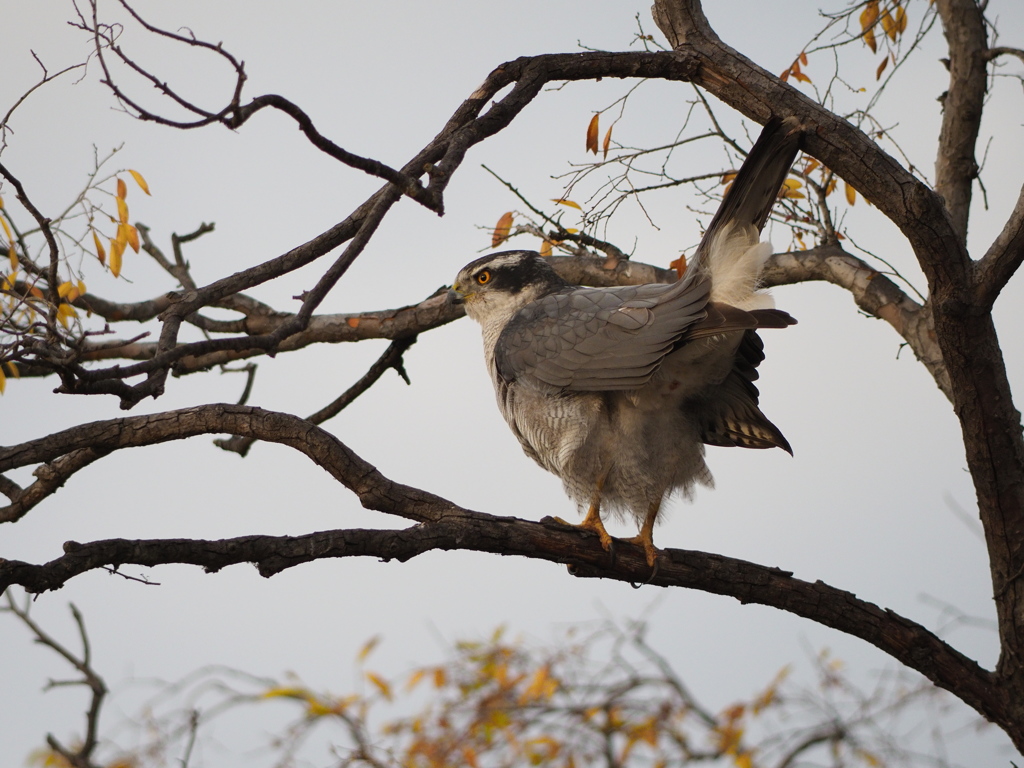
(596, 339)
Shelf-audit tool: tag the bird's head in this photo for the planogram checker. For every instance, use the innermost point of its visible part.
(496, 286)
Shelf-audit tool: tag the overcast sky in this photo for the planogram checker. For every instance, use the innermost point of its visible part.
(868, 503)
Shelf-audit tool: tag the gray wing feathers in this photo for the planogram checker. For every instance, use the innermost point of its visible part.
(594, 339)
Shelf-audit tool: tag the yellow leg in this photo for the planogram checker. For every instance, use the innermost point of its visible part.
(646, 536)
(592, 522)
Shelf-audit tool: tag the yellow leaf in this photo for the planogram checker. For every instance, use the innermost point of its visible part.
(901, 19)
(101, 252)
(889, 25)
(869, 15)
(122, 188)
(501, 229)
(790, 189)
(869, 38)
(3, 381)
(316, 708)
(881, 68)
(380, 683)
(572, 230)
(545, 249)
(414, 679)
(64, 314)
(132, 236)
(81, 287)
(288, 693)
(851, 193)
(868, 758)
(68, 291)
(139, 180)
(122, 210)
(1, 202)
(439, 677)
(367, 648)
(570, 203)
(743, 760)
(607, 142)
(12, 253)
(13, 369)
(116, 249)
(592, 129)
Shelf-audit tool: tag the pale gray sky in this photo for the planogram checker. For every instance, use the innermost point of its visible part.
(864, 505)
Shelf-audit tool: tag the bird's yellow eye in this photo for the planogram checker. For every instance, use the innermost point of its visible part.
(483, 277)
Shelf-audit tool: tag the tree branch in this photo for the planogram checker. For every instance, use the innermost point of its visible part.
(956, 168)
(1003, 258)
(454, 528)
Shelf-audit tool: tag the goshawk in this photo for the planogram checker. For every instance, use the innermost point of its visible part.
(618, 390)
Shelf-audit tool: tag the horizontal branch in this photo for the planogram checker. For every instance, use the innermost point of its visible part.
(873, 292)
(55, 451)
(454, 528)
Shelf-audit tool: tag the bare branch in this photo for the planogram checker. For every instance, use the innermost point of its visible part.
(392, 358)
(1003, 258)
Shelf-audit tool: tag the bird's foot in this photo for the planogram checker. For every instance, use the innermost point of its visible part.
(591, 524)
(651, 552)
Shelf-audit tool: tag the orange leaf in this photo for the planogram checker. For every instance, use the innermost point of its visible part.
(122, 188)
(545, 249)
(679, 265)
(592, 133)
(881, 68)
(122, 210)
(501, 229)
(803, 58)
(851, 193)
(139, 180)
(101, 252)
(607, 142)
(801, 76)
(570, 203)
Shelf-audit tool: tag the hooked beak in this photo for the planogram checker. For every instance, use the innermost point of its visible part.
(455, 296)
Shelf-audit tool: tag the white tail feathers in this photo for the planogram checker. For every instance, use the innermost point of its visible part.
(734, 260)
